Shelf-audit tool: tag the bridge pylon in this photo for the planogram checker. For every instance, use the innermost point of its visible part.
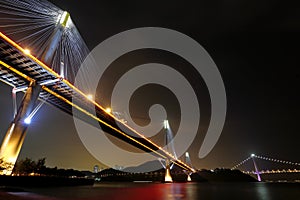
(16, 133)
(53, 41)
(188, 161)
(168, 177)
(255, 167)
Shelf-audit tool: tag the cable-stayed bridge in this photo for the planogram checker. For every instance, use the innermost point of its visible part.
(47, 71)
(263, 165)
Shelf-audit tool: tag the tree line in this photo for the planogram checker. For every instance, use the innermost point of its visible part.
(27, 166)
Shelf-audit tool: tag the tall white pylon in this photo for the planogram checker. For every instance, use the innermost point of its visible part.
(255, 167)
(168, 177)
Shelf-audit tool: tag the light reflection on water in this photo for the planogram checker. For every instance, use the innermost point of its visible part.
(262, 192)
(171, 191)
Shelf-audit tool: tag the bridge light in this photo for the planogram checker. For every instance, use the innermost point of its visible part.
(26, 51)
(89, 96)
(108, 110)
(27, 120)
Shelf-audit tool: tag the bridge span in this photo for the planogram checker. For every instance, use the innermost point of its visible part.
(24, 72)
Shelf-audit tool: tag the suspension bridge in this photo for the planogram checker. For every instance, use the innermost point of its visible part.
(40, 53)
(260, 165)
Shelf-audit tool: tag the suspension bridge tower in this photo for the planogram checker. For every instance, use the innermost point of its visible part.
(16, 133)
(255, 167)
(188, 161)
(168, 177)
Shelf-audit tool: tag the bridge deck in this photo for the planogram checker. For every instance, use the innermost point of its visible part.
(18, 69)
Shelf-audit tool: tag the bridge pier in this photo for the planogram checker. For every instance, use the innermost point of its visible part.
(189, 179)
(15, 135)
(168, 177)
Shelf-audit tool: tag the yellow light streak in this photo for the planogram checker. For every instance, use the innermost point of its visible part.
(16, 71)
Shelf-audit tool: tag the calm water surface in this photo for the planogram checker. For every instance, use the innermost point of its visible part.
(160, 191)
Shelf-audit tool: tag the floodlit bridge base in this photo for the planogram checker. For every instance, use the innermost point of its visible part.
(15, 135)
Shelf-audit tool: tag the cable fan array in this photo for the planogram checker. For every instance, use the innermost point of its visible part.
(32, 22)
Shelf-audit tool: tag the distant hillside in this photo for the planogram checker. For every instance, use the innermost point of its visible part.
(224, 175)
(145, 167)
(138, 173)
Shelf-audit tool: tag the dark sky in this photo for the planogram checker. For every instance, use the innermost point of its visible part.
(255, 45)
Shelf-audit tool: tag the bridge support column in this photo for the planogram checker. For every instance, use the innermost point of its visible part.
(168, 177)
(189, 179)
(256, 168)
(15, 135)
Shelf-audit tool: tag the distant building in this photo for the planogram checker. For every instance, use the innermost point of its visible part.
(96, 169)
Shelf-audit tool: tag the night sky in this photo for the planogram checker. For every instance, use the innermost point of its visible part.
(255, 45)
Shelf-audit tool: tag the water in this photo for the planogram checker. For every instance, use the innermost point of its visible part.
(176, 191)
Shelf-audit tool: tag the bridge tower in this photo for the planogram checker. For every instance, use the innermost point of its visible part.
(16, 133)
(168, 177)
(188, 161)
(255, 167)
